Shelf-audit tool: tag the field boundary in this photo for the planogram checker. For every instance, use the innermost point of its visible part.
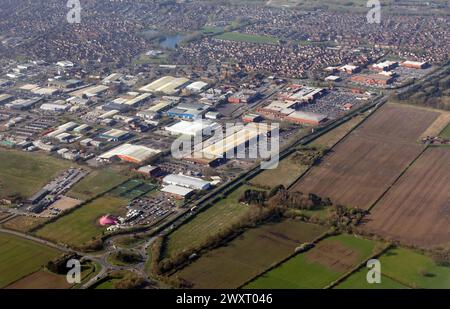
(358, 267)
(325, 235)
(335, 144)
(397, 179)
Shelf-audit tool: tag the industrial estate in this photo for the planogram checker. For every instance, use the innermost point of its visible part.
(92, 115)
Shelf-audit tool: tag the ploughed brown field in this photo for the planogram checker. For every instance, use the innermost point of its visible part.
(360, 168)
(416, 210)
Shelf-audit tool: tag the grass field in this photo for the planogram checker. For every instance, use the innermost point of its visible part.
(244, 37)
(133, 189)
(358, 281)
(320, 266)
(212, 220)
(23, 223)
(23, 174)
(20, 257)
(97, 182)
(41, 280)
(414, 269)
(285, 174)
(250, 254)
(81, 225)
(446, 132)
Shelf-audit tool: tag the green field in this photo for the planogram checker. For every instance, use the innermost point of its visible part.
(214, 219)
(22, 174)
(414, 269)
(80, 226)
(326, 262)
(446, 132)
(358, 281)
(250, 254)
(285, 174)
(133, 188)
(20, 257)
(97, 182)
(250, 38)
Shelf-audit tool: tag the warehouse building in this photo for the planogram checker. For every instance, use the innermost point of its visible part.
(196, 87)
(415, 64)
(188, 111)
(193, 128)
(168, 85)
(5, 98)
(115, 135)
(177, 191)
(56, 108)
(129, 153)
(186, 181)
(226, 147)
(373, 79)
(384, 66)
(306, 118)
(349, 69)
(22, 104)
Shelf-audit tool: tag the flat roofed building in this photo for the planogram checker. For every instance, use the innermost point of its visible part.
(52, 107)
(197, 86)
(130, 153)
(168, 84)
(186, 181)
(193, 128)
(414, 64)
(306, 118)
(177, 191)
(115, 135)
(239, 138)
(5, 98)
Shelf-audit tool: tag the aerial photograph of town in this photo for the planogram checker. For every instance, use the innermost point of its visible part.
(245, 145)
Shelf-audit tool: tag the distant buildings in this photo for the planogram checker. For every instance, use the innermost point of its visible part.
(414, 64)
(373, 79)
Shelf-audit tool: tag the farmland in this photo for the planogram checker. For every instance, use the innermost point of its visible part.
(23, 223)
(405, 268)
(446, 132)
(41, 280)
(26, 173)
(97, 182)
(20, 257)
(369, 160)
(358, 280)
(320, 266)
(217, 217)
(80, 226)
(248, 255)
(332, 137)
(285, 174)
(415, 209)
